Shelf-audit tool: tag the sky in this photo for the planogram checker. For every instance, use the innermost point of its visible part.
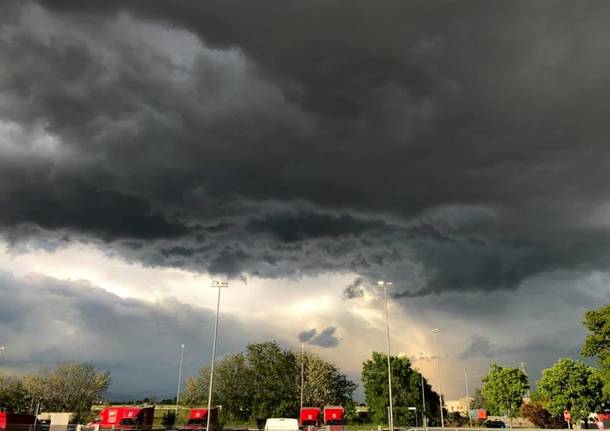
(302, 151)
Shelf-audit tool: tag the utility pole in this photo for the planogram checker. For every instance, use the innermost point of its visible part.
(385, 286)
(467, 397)
(219, 285)
(302, 372)
(435, 331)
(179, 380)
(424, 422)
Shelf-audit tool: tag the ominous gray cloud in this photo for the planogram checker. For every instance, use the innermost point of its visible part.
(451, 146)
(354, 289)
(47, 321)
(326, 338)
(307, 335)
(478, 346)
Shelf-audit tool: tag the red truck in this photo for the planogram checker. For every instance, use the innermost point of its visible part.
(16, 422)
(333, 417)
(309, 416)
(198, 419)
(125, 418)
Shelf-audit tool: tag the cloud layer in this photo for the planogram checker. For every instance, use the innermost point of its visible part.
(457, 149)
(418, 153)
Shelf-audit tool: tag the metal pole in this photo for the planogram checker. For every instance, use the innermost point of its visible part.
(387, 323)
(438, 372)
(467, 397)
(213, 360)
(302, 372)
(424, 423)
(179, 380)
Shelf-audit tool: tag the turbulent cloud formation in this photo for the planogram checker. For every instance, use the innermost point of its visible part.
(457, 149)
(418, 153)
(478, 346)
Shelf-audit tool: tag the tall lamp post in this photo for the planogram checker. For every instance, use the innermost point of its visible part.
(179, 380)
(385, 285)
(302, 372)
(435, 331)
(423, 394)
(219, 285)
(467, 397)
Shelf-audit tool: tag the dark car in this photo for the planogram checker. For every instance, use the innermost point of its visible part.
(495, 424)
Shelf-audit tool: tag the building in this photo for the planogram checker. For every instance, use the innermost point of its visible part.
(461, 405)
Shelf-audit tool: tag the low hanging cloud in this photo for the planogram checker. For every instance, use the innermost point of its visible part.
(325, 338)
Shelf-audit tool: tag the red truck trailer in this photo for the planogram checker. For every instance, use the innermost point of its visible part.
(333, 417)
(16, 422)
(125, 418)
(198, 419)
(309, 416)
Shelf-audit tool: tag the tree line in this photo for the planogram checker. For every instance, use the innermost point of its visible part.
(70, 387)
(265, 381)
(569, 384)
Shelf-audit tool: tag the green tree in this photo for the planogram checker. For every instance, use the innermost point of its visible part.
(570, 385)
(503, 389)
(70, 387)
(265, 382)
(406, 390)
(324, 383)
(14, 396)
(597, 343)
(232, 387)
(275, 381)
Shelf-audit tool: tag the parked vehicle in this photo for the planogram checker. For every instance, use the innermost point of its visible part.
(494, 424)
(125, 418)
(281, 424)
(309, 416)
(16, 422)
(334, 415)
(198, 419)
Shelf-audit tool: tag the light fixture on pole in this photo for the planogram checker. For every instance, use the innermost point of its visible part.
(179, 380)
(435, 331)
(385, 286)
(219, 285)
(423, 393)
(302, 371)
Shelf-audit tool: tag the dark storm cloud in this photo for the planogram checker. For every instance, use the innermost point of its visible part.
(326, 338)
(478, 346)
(354, 289)
(48, 321)
(307, 335)
(448, 145)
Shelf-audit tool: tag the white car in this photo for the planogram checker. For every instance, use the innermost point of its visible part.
(281, 424)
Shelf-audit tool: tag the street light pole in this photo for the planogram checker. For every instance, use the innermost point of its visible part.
(467, 397)
(219, 285)
(179, 380)
(302, 372)
(423, 393)
(435, 331)
(385, 286)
